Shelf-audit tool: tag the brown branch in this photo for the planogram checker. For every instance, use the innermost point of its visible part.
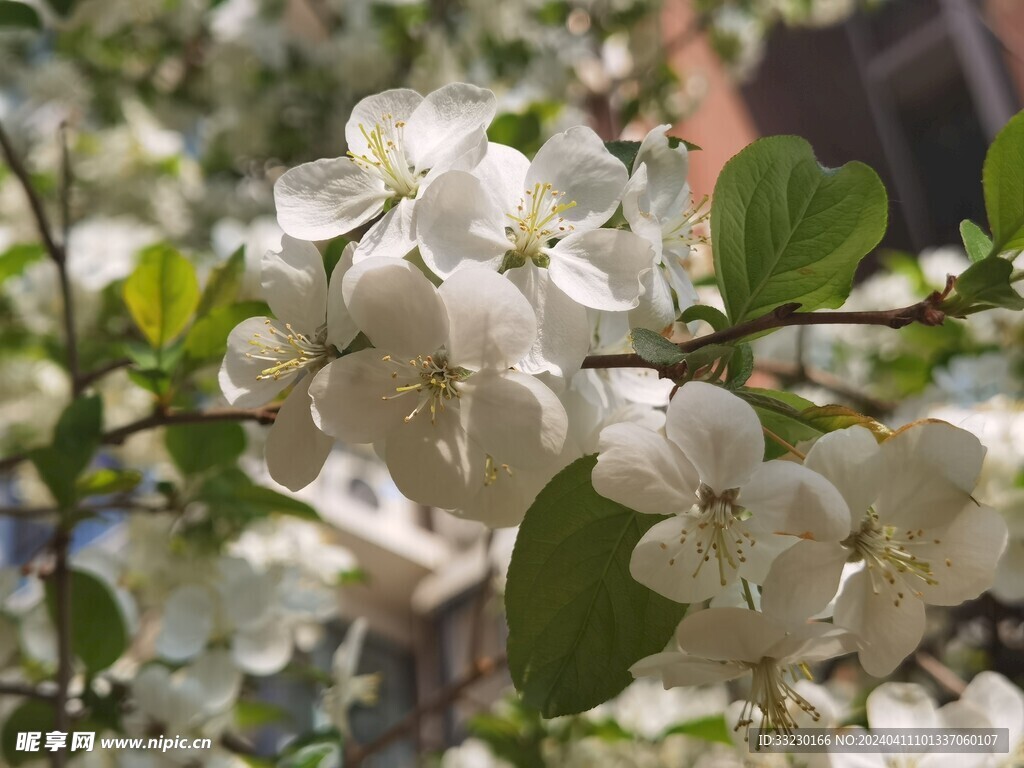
(55, 249)
(480, 669)
(25, 691)
(942, 674)
(117, 436)
(925, 312)
(91, 377)
(62, 588)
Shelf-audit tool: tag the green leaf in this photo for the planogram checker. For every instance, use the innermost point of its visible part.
(222, 286)
(577, 619)
(31, 716)
(99, 634)
(14, 14)
(709, 355)
(829, 418)
(161, 294)
(323, 755)
(250, 714)
(105, 481)
(787, 230)
(626, 151)
(14, 260)
(706, 313)
(1003, 180)
(780, 413)
(207, 340)
(741, 366)
(977, 244)
(232, 492)
(75, 439)
(655, 348)
(711, 728)
(983, 285)
(199, 447)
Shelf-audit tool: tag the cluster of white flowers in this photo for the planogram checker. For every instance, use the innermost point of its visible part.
(891, 527)
(474, 359)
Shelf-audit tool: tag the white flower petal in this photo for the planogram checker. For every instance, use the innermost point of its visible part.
(187, 623)
(656, 310)
(433, 463)
(803, 580)
(728, 634)
(676, 670)
(886, 632)
(919, 454)
(502, 172)
(263, 650)
(718, 432)
(644, 471)
(219, 679)
(850, 459)
(636, 208)
(514, 416)
(387, 108)
(238, 373)
(391, 236)
(396, 306)
(601, 269)
(446, 117)
(296, 450)
(667, 168)
(1000, 699)
(327, 198)
(490, 322)
(348, 398)
(563, 329)
(295, 284)
(341, 328)
(673, 568)
(964, 561)
(576, 162)
(902, 705)
(787, 498)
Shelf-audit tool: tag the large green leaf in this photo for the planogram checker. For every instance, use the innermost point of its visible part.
(15, 259)
(1003, 181)
(577, 619)
(99, 634)
(785, 229)
(199, 447)
(16, 14)
(161, 294)
(655, 348)
(207, 340)
(75, 439)
(223, 284)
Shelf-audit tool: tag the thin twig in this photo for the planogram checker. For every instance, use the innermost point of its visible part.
(117, 436)
(26, 691)
(117, 504)
(480, 669)
(942, 674)
(62, 588)
(91, 377)
(925, 312)
(55, 249)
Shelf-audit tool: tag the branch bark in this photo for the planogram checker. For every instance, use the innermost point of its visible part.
(925, 312)
(265, 415)
(479, 670)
